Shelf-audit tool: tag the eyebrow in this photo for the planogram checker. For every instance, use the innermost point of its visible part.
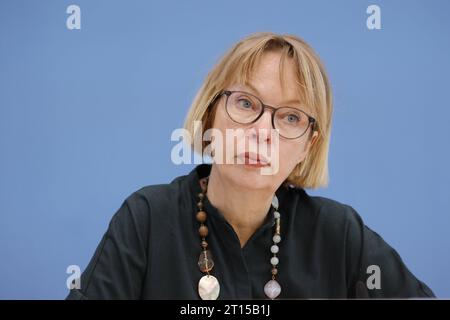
(285, 103)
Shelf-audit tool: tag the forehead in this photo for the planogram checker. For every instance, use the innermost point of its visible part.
(273, 80)
(274, 67)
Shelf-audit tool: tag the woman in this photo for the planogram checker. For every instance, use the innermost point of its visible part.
(231, 231)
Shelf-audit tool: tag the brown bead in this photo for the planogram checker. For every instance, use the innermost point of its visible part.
(204, 244)
(203, 184)
(203, 231)
(201, 216)
(274, 271)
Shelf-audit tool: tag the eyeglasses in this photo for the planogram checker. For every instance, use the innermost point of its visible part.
(246, 108)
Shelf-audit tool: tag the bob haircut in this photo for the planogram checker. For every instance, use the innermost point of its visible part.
(236, 67)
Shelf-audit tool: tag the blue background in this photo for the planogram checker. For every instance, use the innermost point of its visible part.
(86, 117)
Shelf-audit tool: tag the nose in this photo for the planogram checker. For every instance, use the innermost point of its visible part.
(261, 130)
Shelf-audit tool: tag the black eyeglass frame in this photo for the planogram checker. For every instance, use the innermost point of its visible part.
(227, 93)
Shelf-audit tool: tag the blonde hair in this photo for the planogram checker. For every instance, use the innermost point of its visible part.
(314, 88)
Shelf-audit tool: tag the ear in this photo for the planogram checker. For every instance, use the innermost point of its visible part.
(314, 138)
(312, 141)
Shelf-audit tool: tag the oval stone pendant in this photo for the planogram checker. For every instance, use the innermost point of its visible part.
(272, 289)
(208, 287)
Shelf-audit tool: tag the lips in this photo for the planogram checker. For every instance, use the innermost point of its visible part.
(253, 159)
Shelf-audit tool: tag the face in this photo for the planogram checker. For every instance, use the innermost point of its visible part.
(247, 164)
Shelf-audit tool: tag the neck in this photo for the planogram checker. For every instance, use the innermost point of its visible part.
(245, 209)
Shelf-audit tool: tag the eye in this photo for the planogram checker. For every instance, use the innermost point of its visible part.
(292, 118)
(245, 103)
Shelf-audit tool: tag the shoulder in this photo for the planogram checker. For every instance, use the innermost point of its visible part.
(155, 200)
(328, 220)
(325, 210)
(334, 211)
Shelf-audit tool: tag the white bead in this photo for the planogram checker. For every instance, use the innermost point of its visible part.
(275, 202)
(276, 238)
(274, 261)
(274, 249)
(276, 214)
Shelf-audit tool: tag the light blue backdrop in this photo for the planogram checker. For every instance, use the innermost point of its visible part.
(86, 117)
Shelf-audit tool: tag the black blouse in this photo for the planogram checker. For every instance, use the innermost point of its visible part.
(151, 250)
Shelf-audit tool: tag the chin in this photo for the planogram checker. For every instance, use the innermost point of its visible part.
(251, 177)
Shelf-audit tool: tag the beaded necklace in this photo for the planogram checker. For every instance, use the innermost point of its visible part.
(208, 286)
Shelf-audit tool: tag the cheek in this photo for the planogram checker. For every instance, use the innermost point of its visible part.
(227, 146)
(222, 122)
(290, 154)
